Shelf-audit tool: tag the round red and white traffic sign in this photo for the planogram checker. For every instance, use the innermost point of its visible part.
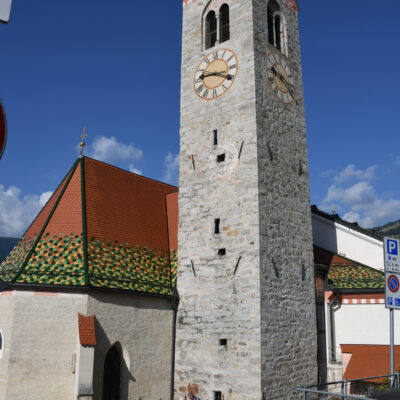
(393, 283)
(3, 129)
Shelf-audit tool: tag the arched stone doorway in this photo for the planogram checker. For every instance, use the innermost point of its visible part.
(112, 375)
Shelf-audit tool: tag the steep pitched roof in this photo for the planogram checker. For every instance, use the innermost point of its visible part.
(369, 360)
(348, 274)
(103, 227)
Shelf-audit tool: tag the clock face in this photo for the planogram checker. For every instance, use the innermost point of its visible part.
(215, 74)
(280, 78)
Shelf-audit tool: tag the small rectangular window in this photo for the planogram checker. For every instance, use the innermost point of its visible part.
(215, 138)
(221, 158)
(223, 342)
(217, 221)
(217, 395)
(221, 252)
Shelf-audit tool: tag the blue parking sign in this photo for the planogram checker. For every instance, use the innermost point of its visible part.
(390, 301)
(397, 302)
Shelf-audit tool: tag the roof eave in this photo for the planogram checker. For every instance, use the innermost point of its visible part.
(86, 289)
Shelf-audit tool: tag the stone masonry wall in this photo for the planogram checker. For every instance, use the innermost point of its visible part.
(289, 341)
(265, 310)
(215, 303)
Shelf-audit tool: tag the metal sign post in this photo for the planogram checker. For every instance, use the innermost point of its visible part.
(392, 287)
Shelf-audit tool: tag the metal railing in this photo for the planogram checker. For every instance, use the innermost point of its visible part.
(344, 386)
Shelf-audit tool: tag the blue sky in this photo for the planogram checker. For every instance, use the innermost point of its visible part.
(115, 67)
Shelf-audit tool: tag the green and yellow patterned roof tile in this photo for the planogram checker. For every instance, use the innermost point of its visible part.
(355, 277)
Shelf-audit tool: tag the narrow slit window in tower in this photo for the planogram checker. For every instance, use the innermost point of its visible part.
(221, 158)
(215, 137)
(224, 23)
(217, 221)
(223, 342)
(211, 30)
(221, 252)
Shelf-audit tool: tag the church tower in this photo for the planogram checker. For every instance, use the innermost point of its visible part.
(246, 325)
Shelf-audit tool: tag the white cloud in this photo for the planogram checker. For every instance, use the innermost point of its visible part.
(350, 173)
(110, 150)
(134, 170)
(44, 198)
(360, 193)
(326, 174)
(360, 200)
(17, 212)
(171, 172)
(379, 212)
(352, 216)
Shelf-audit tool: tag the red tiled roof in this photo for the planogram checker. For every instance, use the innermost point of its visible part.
(40, 220)
(103, 227)
(369, 360)
(67, 217)
(125, 207)
(87, 332)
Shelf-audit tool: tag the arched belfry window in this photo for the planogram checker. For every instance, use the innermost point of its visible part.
(211, 30)
(277, 35)
(224, 23)
(112, 375)
(216, 23)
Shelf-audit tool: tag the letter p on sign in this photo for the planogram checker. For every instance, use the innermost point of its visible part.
(392, 247)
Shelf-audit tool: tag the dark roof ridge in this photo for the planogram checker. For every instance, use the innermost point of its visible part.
(351, 225)
(132, 173)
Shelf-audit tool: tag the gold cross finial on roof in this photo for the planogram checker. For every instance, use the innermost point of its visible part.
(83, 144)
(333, 210)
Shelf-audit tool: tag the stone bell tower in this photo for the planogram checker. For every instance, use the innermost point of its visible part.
(246, 325)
